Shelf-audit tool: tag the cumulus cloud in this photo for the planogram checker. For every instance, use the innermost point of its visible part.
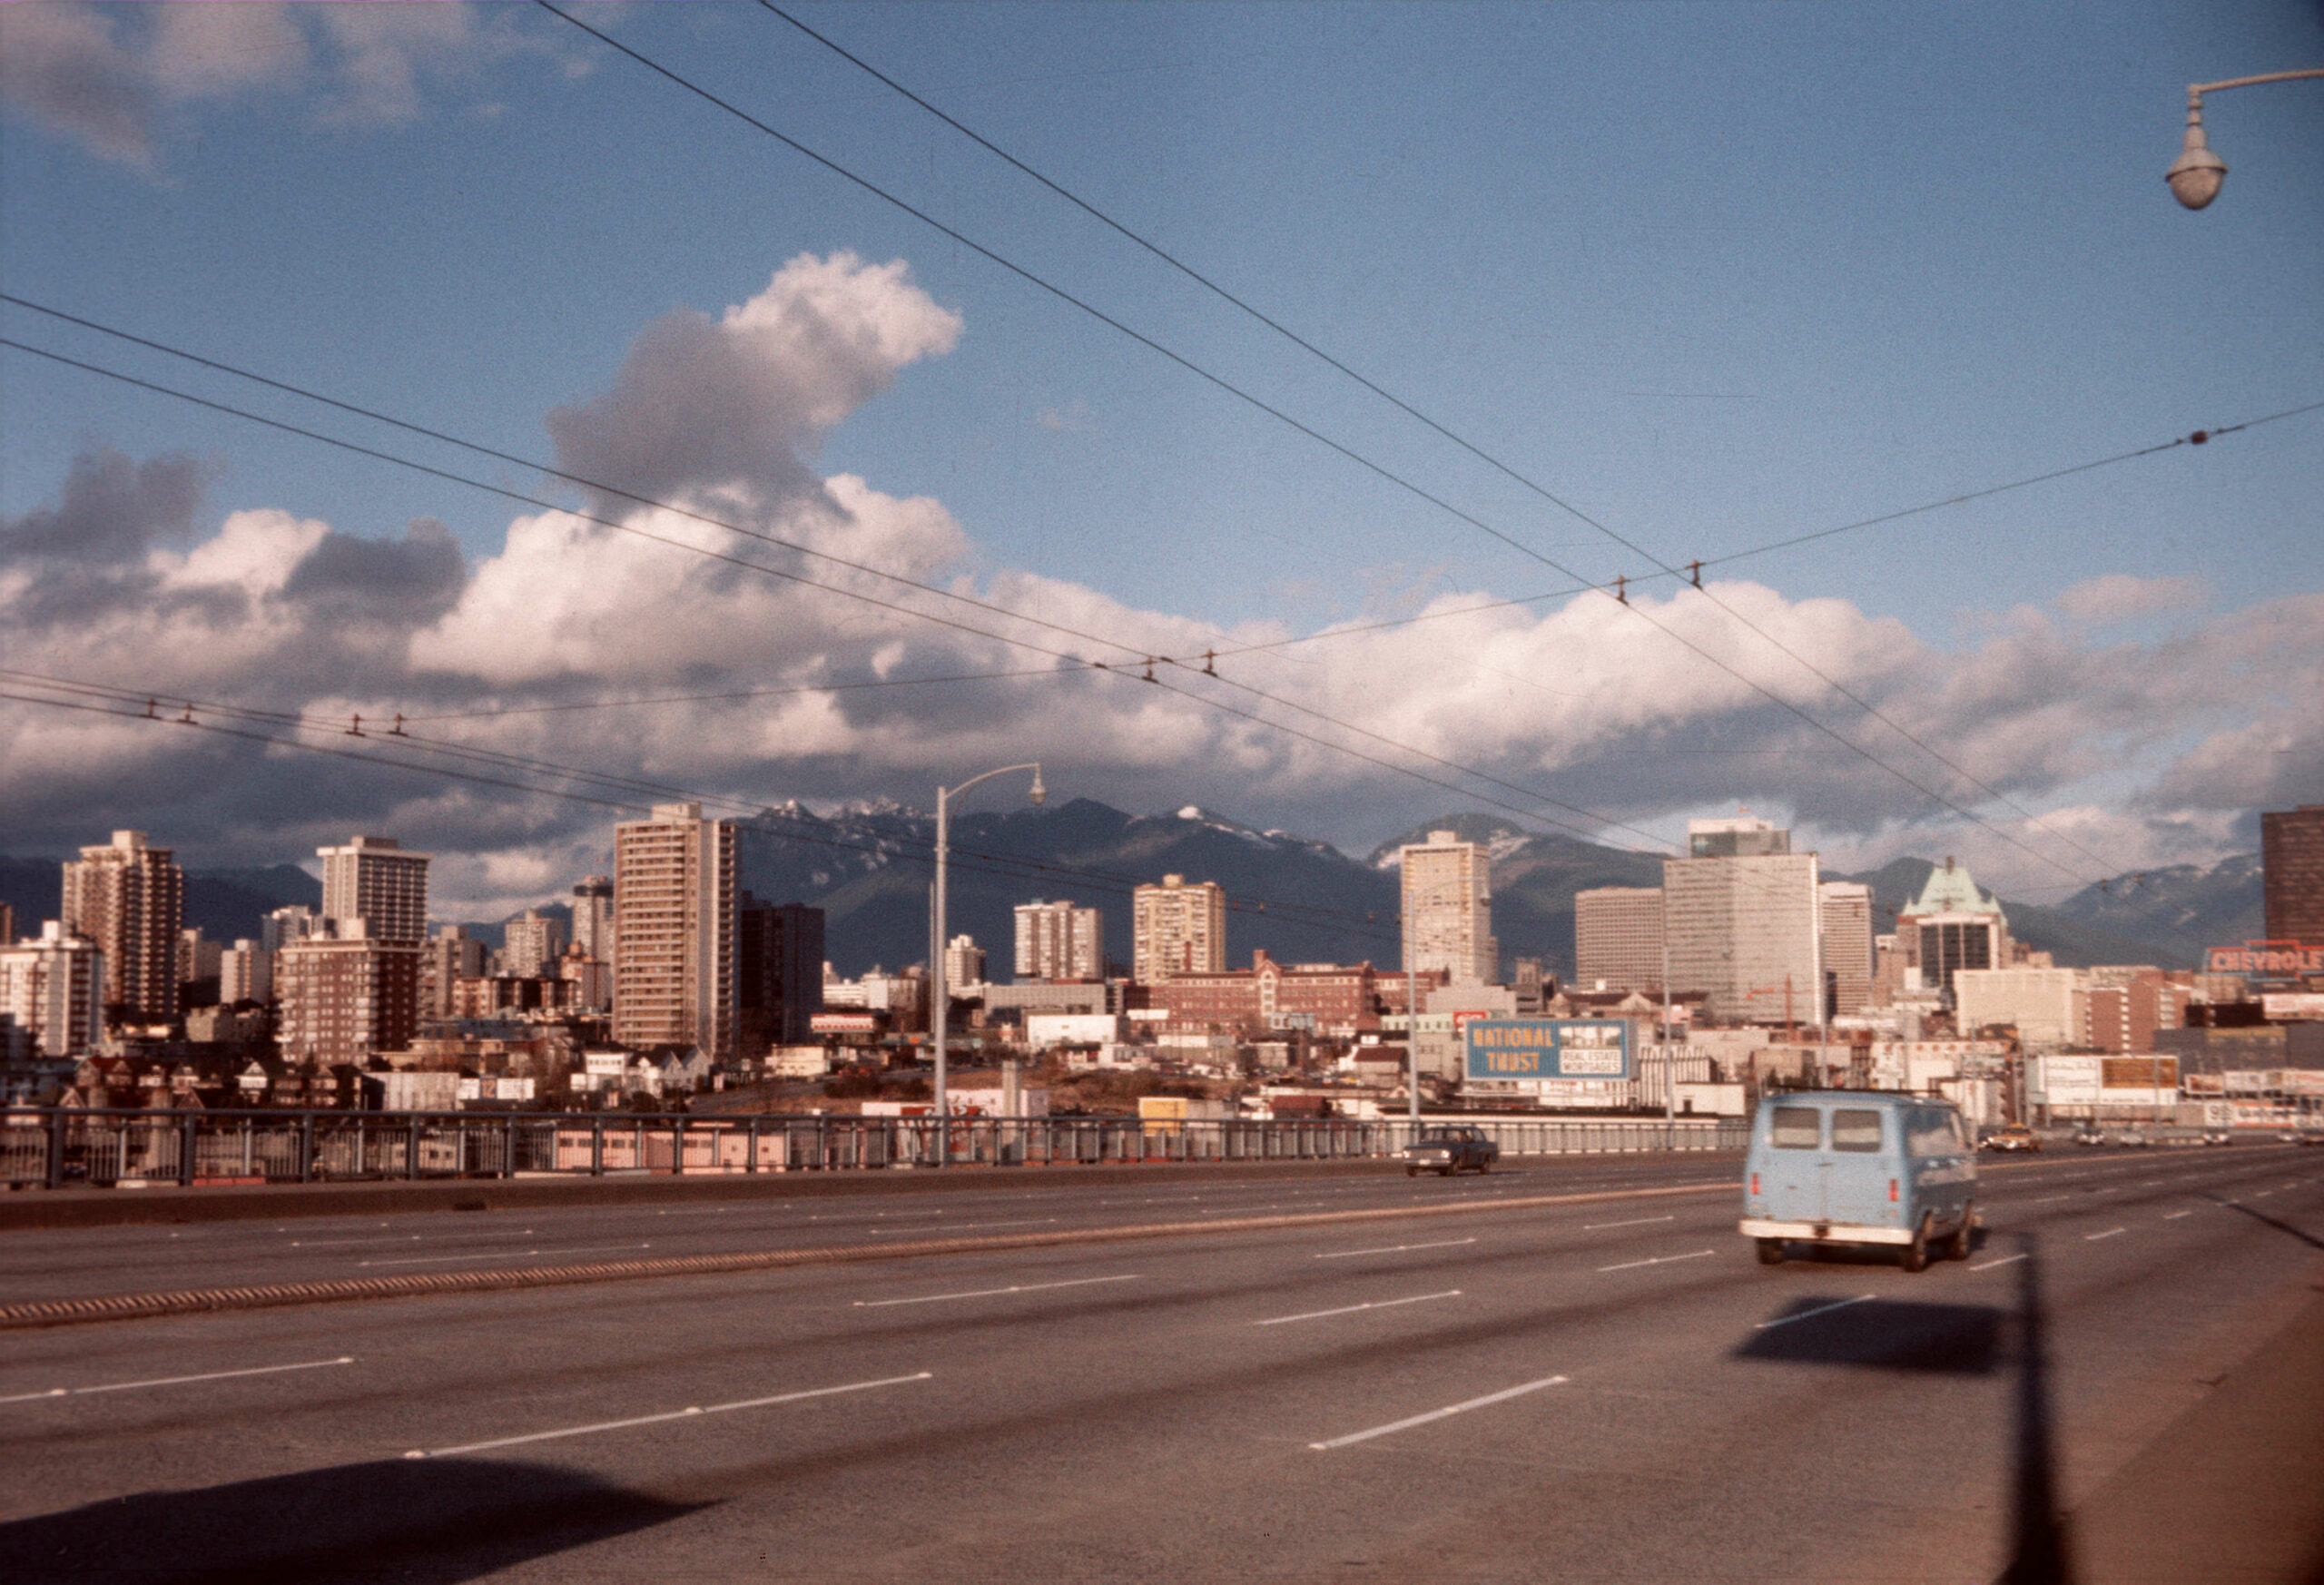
(2146, 749)
(109, 77)
(2119, 596)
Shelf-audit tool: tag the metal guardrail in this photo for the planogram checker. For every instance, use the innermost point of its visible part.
(53, 1148)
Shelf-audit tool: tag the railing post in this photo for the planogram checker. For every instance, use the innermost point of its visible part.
(411, 1146)
(306, 1147)
(597, 1147)
(677, 1147)
(185, 1151)
(751, 1145)
(508, 1146)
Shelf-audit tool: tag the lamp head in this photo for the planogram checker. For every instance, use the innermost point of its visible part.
(1040, 794)
(2196, 175)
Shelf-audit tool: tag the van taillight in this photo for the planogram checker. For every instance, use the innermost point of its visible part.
(1892, 1191)
(1754, 1183)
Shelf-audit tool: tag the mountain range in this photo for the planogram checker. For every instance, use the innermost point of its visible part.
(1302, 900)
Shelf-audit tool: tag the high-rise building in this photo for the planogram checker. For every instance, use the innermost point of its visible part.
(1618, 939)
(1847, 945)
(51, 992)
(245, 973)
(1057, 941)
(964, 963)
(1178, 929)
(346, 994)
(291, 922)
(128, 899)
(1448, 907)
(375, 880)
(2291, 859)
(532, 943)
(198, 967)
(1951, 925)
(7, 925)
(778, 974)
(593, 918)
(1741, 918)
(446, 958)
(674, 931)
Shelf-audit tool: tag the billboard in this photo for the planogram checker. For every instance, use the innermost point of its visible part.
(1526, 1050)
(2266, 960)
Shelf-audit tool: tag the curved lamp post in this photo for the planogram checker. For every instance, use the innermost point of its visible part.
(940, 998)
(2196, 175)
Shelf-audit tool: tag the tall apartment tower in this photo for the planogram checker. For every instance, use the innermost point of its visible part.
(1056, 941)
(593, 918)
(375, 880)
(2291, 859)
(1448, 907)
(1176, 929)
(964, 963)
(446, 958)
(674, 931)
(345, 993)
(1618, 939)
(130, 899)
(532, 945)
(1847, 944)
(49, 995)
(778, 973)
(1741, 915)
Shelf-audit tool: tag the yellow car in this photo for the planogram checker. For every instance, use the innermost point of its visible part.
(2016, 1136)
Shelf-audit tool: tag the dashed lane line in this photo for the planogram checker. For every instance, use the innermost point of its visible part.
(311, 1365)
(1394, 1249)
(1352, 1309)
(1820, 1310)
(992, 1293)
(1658, 1260)
(1502, 1397)
(603, 1425)
(1634, 1222)
(2005, 1260)
(2094, 1237)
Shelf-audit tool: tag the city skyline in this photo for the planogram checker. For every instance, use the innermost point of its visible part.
(2081, 649)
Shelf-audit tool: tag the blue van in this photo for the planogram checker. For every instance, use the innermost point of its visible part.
(1860, 1167)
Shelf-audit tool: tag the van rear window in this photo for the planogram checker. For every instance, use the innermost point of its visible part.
(1855, 1128)
(1796, 1128)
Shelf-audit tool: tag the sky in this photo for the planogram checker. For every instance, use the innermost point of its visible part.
(1668, 282)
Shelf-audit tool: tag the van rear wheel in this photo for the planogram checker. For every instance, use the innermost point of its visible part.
(1770, 1252)
(1958, 1247)
(1917, 1252)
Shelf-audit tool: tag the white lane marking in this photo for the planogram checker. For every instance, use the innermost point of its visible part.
(2263, 1194)
(2094, 1237)
(989, 1293)
(1394, 1249)
(1634, 1222)
(965, 1227)
(2046, 1199)
(2005, 1260)
(503, 1255)
(2174, 1216)
(1352, 1309)
(342, 1243)
(1658, 1260)
(438, 1453)
(313, 1364)
(1505, 1393)
(1818, 1310)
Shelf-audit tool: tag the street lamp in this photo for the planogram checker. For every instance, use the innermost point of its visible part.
(2196, 175)
(941, 996)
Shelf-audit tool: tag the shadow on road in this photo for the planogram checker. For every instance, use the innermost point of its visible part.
(428, 1521)
(2282, 1226)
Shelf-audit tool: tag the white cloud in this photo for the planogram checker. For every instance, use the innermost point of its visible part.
(2119, 596)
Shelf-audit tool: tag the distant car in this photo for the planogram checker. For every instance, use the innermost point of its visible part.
(2217, 1136)
(2089, 1136)
(2014, 1137)
(2311, 1135)
(1445, 1151)
(2130, 1137)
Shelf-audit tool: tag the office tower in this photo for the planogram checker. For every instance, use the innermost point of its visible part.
(1448, 907)
(346, 994)
(245, 973)
(2291, 859)
(674, 931)
(1056, 941)
(534, 942)
(292, 922)
(1618, 939)
(593, 918)
(1740, 917)
(374, 880)
(446, 958)
(128, 898)
(778, 973)
(963, 962)
(51, 995)
(7, 925)
(1847, 945)
(1176, 929)
(1951, 925)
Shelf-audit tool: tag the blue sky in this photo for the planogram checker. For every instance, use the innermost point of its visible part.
(1716, 274)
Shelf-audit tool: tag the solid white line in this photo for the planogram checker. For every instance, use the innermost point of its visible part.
(2263, 1194)
(313, 1364)
(1818, 1310)
(1437, 1413)
(2174, 1216)
(2005, 1260)
(1352, 1309)
(1394, 1249)
(438, 1453)
(342, 1243)
(1634, 1222)
(1658, 1260)
(503, 1255)
(989, 1293)
(2094, 1237)
(2046, 1199)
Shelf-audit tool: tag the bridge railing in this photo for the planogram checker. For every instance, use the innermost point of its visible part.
(57, 1146)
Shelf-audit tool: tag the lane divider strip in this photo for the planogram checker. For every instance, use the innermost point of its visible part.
(343, 1290)
(441, 1452)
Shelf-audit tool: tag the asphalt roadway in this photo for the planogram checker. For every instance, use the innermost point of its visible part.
(2122, 1383)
